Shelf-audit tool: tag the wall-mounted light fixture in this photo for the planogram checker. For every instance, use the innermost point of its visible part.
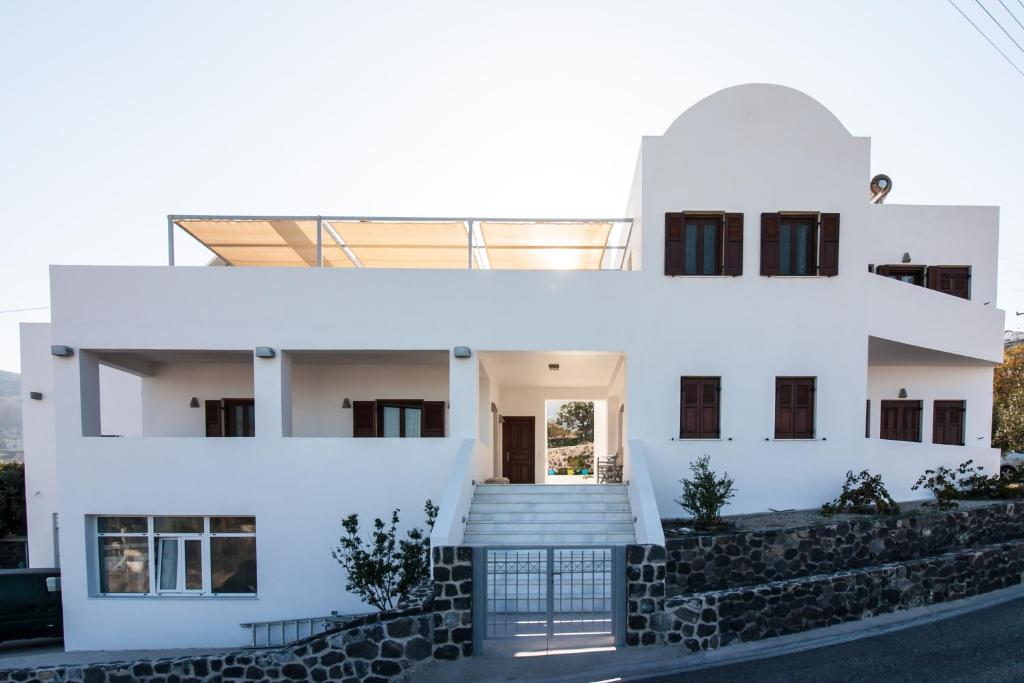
(264, 352)
(462, 352)
(35, 395)
(61, 350)
(903, 393)
(346, 404)
(194, 403)
(906, 257)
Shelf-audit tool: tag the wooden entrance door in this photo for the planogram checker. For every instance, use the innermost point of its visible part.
(518, 441)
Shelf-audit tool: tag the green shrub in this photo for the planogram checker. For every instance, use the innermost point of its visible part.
(967, 482)
(706, 494)
(863, 494)
(382, 570)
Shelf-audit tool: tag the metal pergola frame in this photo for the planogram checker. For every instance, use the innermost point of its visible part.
(474, 236)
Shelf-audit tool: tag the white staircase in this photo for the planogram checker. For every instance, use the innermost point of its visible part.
(532, 514)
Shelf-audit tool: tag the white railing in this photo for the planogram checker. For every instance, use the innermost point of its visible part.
(457, 497)
(642, 501)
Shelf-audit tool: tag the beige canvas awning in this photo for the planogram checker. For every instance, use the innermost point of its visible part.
(546, 244)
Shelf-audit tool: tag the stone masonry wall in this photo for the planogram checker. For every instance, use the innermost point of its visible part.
(717, 562)
(434, 621)
(453, 602)
(645, 594)
(710, 620)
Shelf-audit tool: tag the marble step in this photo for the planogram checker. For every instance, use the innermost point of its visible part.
(559, 516)
(478, 507)
(550, 526)
(529, 538)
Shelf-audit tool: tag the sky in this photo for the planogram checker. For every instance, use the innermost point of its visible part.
(115, 114)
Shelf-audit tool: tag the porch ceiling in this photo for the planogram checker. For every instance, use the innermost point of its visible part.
(888, 352)
(530, 368)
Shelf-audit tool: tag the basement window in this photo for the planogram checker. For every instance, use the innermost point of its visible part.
(180, 555)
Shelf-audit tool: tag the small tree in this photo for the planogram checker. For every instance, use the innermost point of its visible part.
(705, 494)
(383, 569)
(578, 417)
(12, 499)
(863, 494)
(1008, 402)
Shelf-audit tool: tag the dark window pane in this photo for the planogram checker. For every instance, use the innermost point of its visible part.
(232, 525)
(233, 564)
(710, 263)
(785, 248)
(803, 243)
(178, 525)
(121, 525)
(167, 564)
(193, 565)
(690, 249)
(124, 564)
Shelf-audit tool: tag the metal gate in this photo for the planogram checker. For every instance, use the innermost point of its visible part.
(547, 597)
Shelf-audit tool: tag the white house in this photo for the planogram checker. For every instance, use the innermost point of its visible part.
(756, 301)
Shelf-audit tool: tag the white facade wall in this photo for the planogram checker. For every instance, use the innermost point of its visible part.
(749, 149)
(37, 420)
(319, 390)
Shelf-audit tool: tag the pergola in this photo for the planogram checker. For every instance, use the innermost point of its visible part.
(373, 242)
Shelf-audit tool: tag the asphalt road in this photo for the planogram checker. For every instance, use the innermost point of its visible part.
(986, 646)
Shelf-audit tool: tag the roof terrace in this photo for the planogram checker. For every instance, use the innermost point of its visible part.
(376, 242)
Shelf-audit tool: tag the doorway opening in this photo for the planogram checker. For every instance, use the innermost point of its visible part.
(575, 431)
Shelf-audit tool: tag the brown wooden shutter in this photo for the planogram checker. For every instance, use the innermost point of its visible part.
(709, 391)
(953, 280)
(214, 418)
(803, 408)
(948, 423)
(673, 244)
(732, 258)
(364, 418)
(689, 408)
(828, 245)
(433, 418)
(783, 408)
(769, 244)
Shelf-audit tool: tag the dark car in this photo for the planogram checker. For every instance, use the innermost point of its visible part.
(30, 604)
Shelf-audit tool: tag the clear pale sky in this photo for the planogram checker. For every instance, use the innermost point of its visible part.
(114, 114)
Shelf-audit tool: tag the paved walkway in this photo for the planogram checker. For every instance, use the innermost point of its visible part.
(986, 633)
(23, 654)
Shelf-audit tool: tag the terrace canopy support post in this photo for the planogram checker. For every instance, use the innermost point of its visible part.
(170, 240)
(469, 233)
(319, 242)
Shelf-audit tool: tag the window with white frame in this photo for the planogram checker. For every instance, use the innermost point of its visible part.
(181, 555)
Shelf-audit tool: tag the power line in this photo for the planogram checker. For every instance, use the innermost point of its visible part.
(989, 40)
(1001, 28)
(19, 310)
(1010, 12)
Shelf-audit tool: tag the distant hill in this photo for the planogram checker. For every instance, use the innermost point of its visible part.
(10, 416)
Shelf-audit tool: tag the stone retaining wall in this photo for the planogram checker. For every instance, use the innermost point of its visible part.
(453, 601)
(434, 621)
(717, 562)
(710, 620)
